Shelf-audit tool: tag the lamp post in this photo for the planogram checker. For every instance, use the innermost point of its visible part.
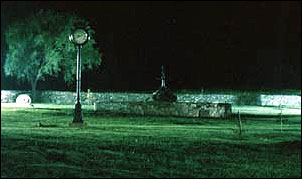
(79, 37)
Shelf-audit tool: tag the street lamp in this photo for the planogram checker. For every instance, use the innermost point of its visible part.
(79, 37)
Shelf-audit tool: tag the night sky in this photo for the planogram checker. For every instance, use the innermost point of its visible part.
(209, 45)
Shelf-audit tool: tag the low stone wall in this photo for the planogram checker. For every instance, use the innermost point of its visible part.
(58, 97)
(10, 96)
(67, 97)
(276, 100)
(178, 109)
(207, 98)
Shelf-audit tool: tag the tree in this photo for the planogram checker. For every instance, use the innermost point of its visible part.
(38, 47)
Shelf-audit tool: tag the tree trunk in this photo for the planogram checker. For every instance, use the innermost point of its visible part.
(34, 89)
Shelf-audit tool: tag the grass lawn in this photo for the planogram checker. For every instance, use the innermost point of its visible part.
(133, 146)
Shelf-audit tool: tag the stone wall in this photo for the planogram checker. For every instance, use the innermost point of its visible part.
(66, 97)
(276, 100)
(10, 96)
(206, 98)
(177, 109)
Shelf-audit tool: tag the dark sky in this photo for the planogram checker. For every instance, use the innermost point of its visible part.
(233, 45)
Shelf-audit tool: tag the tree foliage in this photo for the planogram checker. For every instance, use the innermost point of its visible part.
(38, 47)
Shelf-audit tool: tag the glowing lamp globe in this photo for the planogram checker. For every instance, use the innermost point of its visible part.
(79, 36)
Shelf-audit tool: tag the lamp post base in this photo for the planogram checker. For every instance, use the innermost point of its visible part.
(77, 118)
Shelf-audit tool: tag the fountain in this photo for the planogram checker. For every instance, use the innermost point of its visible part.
(164, 103)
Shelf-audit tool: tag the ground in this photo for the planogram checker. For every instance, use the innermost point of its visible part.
(111, 145)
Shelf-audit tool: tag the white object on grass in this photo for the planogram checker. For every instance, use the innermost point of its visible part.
(23, 99)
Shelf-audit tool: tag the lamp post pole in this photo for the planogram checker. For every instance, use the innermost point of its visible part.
(78, 109)
(79, 37)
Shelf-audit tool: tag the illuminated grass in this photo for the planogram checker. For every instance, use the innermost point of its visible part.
(132, 146)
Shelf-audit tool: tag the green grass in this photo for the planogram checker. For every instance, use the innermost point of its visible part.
(133, 146)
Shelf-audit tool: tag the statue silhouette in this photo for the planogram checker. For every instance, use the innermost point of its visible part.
(164, 93)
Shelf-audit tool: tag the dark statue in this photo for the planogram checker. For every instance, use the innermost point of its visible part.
(164, 93)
